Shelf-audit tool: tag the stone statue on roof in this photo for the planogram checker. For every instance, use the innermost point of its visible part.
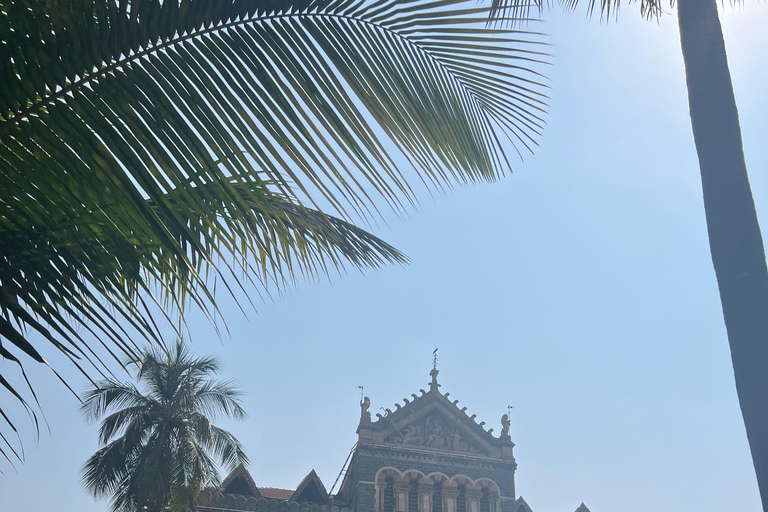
(505, 423)
(365, 414)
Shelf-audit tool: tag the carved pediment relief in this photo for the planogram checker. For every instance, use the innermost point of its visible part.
(433, 432)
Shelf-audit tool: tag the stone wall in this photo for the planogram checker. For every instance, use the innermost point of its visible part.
(238, 503)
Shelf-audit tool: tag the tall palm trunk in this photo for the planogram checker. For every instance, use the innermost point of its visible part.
(734, 234)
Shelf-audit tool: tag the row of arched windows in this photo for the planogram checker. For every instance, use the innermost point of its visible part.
(412, 491)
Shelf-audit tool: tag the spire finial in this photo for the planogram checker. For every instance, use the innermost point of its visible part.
(434, 385)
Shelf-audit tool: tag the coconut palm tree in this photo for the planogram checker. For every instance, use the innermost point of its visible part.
(735, 240)
(159, 447)
(150, 149)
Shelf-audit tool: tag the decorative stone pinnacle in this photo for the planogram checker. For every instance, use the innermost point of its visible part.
(434, 385)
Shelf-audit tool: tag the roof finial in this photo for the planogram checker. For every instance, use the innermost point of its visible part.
(434, 385)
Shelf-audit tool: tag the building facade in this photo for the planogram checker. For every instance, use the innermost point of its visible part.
(427, 455)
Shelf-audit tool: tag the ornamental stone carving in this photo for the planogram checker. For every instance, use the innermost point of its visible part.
(365, 414)
(505, 423)
(432, 434)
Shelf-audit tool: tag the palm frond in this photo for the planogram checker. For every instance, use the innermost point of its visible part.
(104, 471)
(519, 11)
(149, 146)
(228, 449)
(220, 443)
(108, 395)
(219, 397)
(137, 418)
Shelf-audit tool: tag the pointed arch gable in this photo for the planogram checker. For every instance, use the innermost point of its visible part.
(239, 481)
(311, 489)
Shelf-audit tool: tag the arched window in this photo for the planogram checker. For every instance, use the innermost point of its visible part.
(437, 498)
(461, 499)
(485, 502)
(413, 496)
(389, 495)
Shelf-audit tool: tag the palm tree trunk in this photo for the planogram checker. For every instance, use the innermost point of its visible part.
(734, 234)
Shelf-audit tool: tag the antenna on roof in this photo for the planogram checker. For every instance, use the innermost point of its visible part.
(509, 410)
(434, 358)
(361, 388)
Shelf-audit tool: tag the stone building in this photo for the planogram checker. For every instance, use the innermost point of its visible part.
(427, 455)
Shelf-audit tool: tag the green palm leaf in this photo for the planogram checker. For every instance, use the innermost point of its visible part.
(520, 10)
(148, 146)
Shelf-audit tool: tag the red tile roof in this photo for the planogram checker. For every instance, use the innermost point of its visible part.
(272, 493)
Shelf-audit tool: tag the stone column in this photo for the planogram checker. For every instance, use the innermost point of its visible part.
(494, 502)
(449, 499)
(380, 490)
(401, 496)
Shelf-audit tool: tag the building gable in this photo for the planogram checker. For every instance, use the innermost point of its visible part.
(521, 505)
(433, 422)
(435, 428)
(311, 489)
(239, 482)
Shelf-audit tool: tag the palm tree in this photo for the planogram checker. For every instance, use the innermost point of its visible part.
(151, 149)
(159, 447)
(735, 240)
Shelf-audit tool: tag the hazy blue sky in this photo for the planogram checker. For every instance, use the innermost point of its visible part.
(580, 290)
